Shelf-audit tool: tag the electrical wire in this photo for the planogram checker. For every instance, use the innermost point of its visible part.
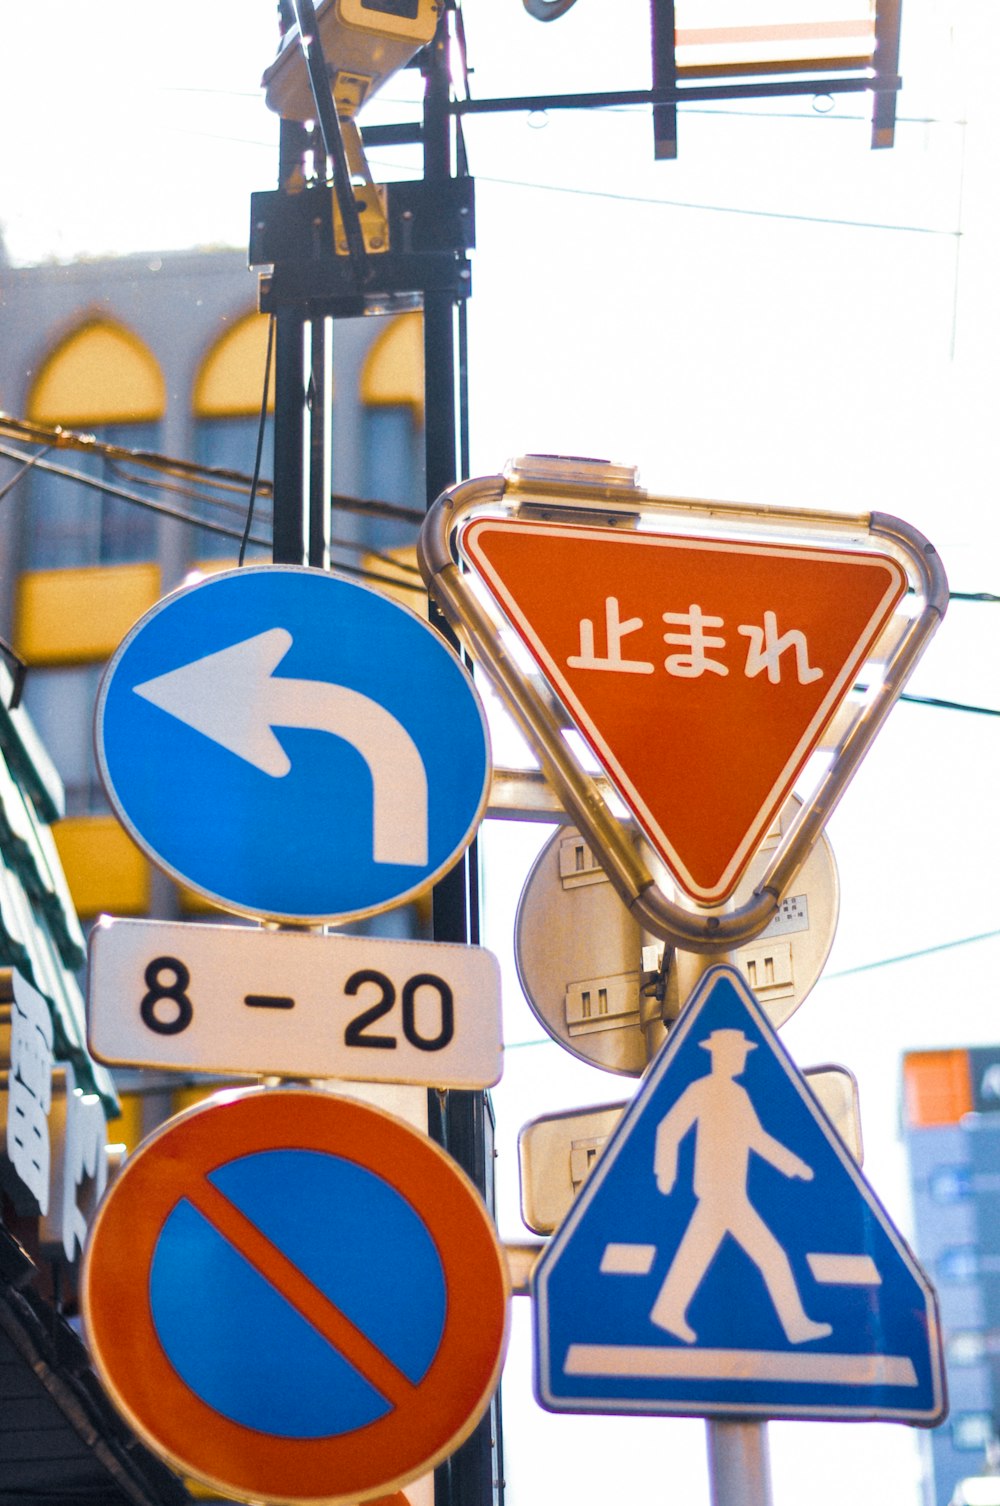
(654, 202)
(235, 504)
(398, 581)
(765, 214)
(930, 700)
(814, 114)
(234, 478)
(19, 475)
(261, 430)
(125, 494)
(927, 951)
(404, 575)
(73, 439)
(220, 477)
(847, 972)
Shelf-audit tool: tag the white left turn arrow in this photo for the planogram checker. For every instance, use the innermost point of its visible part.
(234, 698)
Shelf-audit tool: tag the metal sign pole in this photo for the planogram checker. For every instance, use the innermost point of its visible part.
(288, 545)
(461, 1121)
(739, 1463)
(310, 281)
(320, 400)
(289, 421)
(739, 1459)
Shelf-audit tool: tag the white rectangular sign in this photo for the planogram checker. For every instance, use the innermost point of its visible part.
(210, 998)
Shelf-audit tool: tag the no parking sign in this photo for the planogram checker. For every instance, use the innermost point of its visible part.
(296, 1297)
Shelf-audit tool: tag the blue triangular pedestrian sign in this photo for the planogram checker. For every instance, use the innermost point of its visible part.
(727, 1256)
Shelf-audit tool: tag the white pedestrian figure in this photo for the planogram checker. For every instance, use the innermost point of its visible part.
(727, 1129)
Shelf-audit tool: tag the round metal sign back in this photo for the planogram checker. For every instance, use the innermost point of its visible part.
(583, 960)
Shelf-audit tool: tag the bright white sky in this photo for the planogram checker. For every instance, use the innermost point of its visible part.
(780, 315)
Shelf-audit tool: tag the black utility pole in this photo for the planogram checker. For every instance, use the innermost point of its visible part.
(288, 543)
(461, 1121)
(312, 284)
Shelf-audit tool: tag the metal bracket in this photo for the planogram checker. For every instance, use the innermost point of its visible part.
(333, 139)
(430, 228)
(369, 199)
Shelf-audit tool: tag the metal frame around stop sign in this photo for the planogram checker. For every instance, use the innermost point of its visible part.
(575, 491)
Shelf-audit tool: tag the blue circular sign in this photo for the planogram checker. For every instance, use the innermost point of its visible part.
(293, 745)
(361, 1245)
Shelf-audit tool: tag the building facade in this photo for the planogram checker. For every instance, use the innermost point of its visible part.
(951, 1128)
(164, 355)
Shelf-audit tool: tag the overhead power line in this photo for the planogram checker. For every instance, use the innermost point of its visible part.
(847, 972)
(403, 576)
(56, 437)
(930, 700)
(124, 494)
(766, 214)
(926, 951)
(655, 201)
(189, 480)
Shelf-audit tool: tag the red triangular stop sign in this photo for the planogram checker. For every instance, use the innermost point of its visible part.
(701, 671)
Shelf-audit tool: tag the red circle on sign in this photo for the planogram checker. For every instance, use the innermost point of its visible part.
(426, 1421)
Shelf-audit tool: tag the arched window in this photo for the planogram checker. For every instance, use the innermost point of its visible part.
(226, 401)
(100, 378)
(392, 392)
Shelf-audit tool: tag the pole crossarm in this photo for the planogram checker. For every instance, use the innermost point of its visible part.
(679, 93)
